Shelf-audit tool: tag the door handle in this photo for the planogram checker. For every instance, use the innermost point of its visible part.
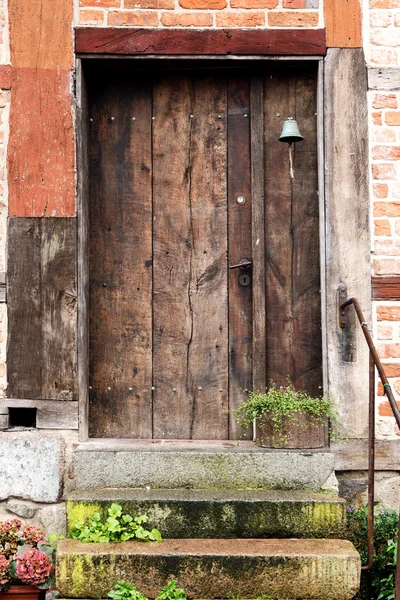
(244, 264)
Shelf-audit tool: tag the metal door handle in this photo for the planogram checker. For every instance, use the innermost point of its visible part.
(244, 264)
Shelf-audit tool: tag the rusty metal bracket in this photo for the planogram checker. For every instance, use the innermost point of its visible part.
(342, 313)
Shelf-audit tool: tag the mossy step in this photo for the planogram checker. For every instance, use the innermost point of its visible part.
(251, 568)
(232, 465)
(207, 514)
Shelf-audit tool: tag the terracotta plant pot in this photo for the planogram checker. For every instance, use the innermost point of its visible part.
(300, 432)
(23, 592)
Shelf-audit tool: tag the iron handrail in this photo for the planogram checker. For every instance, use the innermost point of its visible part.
(374, 361)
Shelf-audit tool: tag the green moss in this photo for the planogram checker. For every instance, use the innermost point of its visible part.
(80, 512)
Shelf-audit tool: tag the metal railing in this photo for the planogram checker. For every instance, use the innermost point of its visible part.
(374, 361)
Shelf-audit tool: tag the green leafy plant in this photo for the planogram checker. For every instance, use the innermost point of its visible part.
(171, 592)
(283, 405)
(126, 591)
(381, 578)
(116, 528)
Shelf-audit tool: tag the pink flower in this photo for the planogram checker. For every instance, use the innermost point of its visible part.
(32, 535)
(10, 526)
(33, 567)
(4, 575)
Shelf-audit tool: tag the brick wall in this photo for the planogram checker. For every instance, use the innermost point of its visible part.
(200, 13)
(383, 50)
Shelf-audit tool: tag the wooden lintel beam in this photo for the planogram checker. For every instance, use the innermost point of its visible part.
(134, 41)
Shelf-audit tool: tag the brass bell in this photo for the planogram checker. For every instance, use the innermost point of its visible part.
(290, 132)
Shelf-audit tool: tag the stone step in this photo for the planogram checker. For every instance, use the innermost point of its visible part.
(215, 568)
(228, 514)
(204, 466)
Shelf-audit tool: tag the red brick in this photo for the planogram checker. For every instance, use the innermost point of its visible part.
(294, 3)
(203, 4)
(387, 209)
(380, 389)
(382, 227)
(384, 101)
(293, 19)
(386, 152)
(91, 16)
(387, 266)
(377, 118)
(389, 350)
(384, 4)
(187, 19)
(100, 3)
(387, 135)
(158, 4)
(385, 410)
(255, 19)
(381, 190)
(392, 369)
(388, 313)
(254, 3)
(135, 18)
(384, 171)
(387, 247)
(392, 118)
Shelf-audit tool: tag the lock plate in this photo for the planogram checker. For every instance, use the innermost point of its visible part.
(244, 279)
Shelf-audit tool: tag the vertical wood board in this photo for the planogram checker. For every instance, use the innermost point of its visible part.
(347, 218)
(190, 359)
(120, 261)
(239, 247)
(343, 23)
(41, 281)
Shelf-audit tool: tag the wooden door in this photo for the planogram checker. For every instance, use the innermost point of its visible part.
(180, 164)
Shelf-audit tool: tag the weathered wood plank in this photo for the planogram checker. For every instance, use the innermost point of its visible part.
(353, 455)
(102, 40)
(190, 360)
(347, 211)
(50, 414)
(386, 288)
(120, 246)
(294, 346)
(384, 78)
(41, 281)
(239, 247)
(343, 23)
(258, 231)
(3, 287)
(82, 160)
(41, 160)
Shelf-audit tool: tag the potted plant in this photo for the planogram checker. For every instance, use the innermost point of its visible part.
(26, 562)
(286, 418)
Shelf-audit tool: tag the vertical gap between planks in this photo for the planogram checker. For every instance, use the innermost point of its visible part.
(152, 259)
(258, 230)
(322, 220)
(82, 233)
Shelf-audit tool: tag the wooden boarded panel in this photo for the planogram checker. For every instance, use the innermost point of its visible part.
(240, 247)
(41, 283)
(120, 261)
(292, 237)
(190, 358)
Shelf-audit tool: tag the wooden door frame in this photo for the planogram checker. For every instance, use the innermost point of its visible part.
(81, 124)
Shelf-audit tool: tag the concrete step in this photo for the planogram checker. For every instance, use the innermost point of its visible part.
(203, 466)
(228, 514)
(251, 568)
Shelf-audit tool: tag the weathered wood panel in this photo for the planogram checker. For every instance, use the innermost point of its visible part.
(384, 78)
(50, 414)
(41, 146)
(190, 359)
(294, 345)
(102, 40)
(239, 247)
(120, 260)
(353, 455)
(258, 231)
(343, 23)
(3, 287)
(41, 282)
(386, 288)
(347, 225)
